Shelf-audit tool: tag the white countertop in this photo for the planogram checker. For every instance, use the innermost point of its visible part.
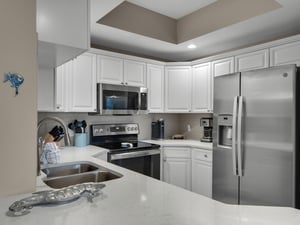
(136, 199)
(182, 142)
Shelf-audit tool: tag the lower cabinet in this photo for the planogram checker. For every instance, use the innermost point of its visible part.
(189, 168)
(202, 172)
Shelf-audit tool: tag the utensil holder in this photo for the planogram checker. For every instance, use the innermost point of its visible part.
(80, 139)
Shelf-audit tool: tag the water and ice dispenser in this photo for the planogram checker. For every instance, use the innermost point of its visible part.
(225, 130)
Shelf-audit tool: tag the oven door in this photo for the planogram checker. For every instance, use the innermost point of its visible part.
(146, 162)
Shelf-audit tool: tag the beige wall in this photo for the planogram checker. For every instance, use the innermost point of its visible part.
(18, 113)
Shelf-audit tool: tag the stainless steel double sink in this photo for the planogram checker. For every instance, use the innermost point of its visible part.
(66, 174)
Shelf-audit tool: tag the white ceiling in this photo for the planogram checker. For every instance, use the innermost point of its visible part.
(173, 8)
(276, 24)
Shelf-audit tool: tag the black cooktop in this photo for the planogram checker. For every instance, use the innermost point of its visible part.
(115, 147)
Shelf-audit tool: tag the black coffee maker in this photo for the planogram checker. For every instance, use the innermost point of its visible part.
(206, 123)
(158, 129)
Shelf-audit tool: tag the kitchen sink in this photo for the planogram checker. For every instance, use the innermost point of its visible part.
(69, 169)
(64, 175)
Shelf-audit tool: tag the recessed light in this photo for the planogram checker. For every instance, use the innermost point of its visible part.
(192, 46)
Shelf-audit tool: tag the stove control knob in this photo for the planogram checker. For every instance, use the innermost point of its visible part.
(96, 131)
(101, 130)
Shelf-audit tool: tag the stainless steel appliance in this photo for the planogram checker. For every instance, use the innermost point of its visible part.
(158, 129)
(254, 137)
(206, 123)
(121, 100)
(124, 148)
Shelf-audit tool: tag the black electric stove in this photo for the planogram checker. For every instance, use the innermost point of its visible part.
(124, 149)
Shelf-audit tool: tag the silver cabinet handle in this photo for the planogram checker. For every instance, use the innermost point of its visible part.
(234, 124)
(239, 135)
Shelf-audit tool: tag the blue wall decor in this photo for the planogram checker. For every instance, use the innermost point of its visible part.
(15, 79)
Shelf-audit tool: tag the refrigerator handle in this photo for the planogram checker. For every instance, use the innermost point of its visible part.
(239, 136)
(234, 132)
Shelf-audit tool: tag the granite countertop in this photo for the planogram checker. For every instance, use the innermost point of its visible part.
(136, 199)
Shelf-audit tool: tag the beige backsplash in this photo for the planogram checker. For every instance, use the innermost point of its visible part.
(174, 123)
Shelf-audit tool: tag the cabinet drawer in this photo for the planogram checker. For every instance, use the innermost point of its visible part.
(177, 152)
(203, 155)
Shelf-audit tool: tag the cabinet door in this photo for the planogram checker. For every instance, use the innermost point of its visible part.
(177, 171)
(202, 172)
(252, 61)
(62, 74)
(222, 66)
(155, 85)
(178, 89)
(109, 70)
(202, 178)
(202, 88)
(285, 54)
(83, 84)
(134, 73)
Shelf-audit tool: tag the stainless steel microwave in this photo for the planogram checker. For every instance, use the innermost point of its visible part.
(121, 100)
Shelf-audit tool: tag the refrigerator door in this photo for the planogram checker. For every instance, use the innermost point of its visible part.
(225, 182)
(268, 137)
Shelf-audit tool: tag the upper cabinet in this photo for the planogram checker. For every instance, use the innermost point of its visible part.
(109, 69)
(285, 54)
(134, 73)
(75, 85)
(63, 30)
(178, 89)
(155, 85)
(83, 84)
(252, 61)
(222, 66)
(113, 70)
(202, 88)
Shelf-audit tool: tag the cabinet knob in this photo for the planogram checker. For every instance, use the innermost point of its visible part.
(58, 107)
(126, 83)
(122, 82)
(205, 156)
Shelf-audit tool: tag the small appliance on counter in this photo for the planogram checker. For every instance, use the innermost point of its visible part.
(158, 129)
(207, 125)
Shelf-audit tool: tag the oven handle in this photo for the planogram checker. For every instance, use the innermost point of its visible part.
(128, 155)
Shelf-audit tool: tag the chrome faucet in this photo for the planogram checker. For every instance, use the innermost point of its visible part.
(41, 141)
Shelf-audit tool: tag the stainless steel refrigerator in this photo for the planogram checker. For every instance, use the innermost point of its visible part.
(254, 137)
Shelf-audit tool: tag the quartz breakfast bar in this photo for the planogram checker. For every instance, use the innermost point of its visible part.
(135, 199)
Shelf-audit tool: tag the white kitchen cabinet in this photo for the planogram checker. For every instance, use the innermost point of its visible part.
(178, 89)
(75, 85)
(252, 61)
(113, 70)
(134, 73)
(155, 85)
(202, 172)
(222, 66)
(202, 88)
(177, 166)
(109, 70)
(285, 54)
(62, 74)
(83, 84)
(63, 30)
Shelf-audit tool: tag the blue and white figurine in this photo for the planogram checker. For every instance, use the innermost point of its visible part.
(15, 79)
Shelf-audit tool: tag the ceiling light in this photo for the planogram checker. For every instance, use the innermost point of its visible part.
(192, 46)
